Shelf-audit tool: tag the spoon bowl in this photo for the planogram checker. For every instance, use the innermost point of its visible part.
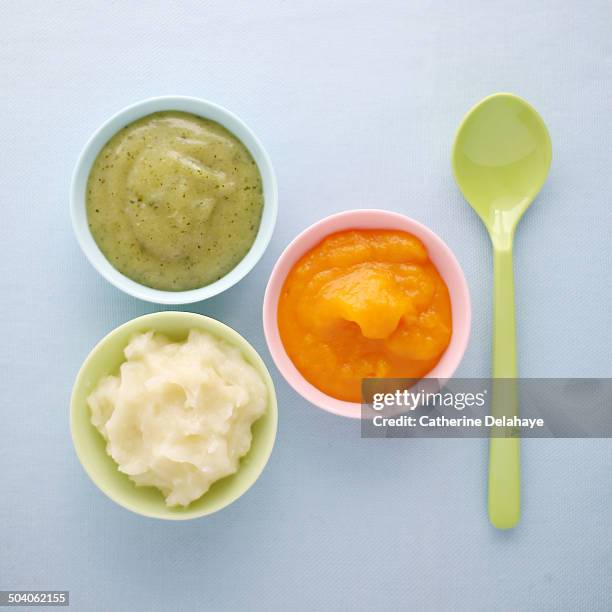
(501, 157)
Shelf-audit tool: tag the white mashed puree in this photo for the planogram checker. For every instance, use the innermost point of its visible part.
(178, 416)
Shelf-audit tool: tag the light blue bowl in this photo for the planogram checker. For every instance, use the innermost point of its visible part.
(204, 109)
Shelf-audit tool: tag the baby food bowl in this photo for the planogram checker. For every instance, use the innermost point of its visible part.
(105, 359)
(78, 193)
(440, 255)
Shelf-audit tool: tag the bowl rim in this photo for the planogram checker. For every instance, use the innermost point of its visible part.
(214, 326)
(125, 116)
(368, 218)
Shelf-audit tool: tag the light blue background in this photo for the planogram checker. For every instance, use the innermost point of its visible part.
(357, 104)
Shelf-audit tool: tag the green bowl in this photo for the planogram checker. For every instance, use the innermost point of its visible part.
(105, 359)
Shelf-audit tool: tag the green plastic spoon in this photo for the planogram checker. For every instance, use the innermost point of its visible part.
(501, 157)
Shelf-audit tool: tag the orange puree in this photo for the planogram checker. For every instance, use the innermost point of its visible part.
(364, 304)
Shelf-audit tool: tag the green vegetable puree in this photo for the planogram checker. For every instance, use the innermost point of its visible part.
(174, 201)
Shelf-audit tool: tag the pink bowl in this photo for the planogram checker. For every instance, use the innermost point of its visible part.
(440, 255)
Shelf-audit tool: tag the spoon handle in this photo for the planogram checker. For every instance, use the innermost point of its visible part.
(504, 452)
